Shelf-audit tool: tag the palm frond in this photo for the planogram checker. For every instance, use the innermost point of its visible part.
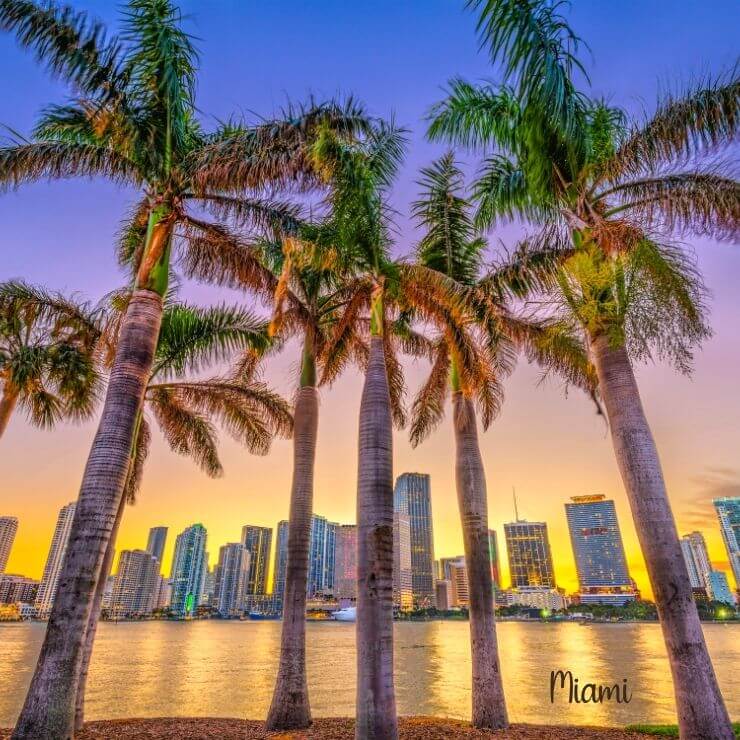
(138, 458)
(427, 410)
(271, 217)
(396, 384)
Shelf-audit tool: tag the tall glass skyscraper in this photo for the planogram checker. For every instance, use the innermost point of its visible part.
(48, 587)
(412, 496)
(322, 548)
(189, 565)
(136, 587)
(231, 579)
(530, 558)
(156, 542)
(698, 564)
(598, 550)
(494, 556)
(345, 562)
(258, 541)
(8, 529)
(403, 586)
(281, 559)
(728, 511)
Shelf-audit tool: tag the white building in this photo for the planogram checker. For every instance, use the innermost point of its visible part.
(48, 587)
(8, 529)
(403, 586)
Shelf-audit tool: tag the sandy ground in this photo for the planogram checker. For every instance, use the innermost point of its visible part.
(411, 728)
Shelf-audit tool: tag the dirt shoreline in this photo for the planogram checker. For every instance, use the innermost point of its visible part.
(334, 728)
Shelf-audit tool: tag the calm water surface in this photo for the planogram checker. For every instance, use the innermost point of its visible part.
(227, 669)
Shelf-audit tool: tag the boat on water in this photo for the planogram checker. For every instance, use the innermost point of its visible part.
(263, 615)
(348, 614)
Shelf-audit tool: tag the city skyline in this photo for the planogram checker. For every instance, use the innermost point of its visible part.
(549, 446)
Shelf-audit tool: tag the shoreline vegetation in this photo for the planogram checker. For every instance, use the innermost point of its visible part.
(339, 728)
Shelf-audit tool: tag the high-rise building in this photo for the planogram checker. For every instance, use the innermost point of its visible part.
(232, 579)
(136, 585)
(443, 589)
(48, 587)
(494, 556)
(188, 567)
(345, 562)
(698, 564)
(17, 589)
(412, 496)
(8, 529)
(728, 512)
(456, 573)
(530, 559)
(258, 540)
(598, 550)
(720, 588)
(403, 587)
(281, 559)
(156, 542)
(322, 547)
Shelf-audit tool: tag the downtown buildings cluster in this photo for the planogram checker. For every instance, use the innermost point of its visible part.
(238, 584)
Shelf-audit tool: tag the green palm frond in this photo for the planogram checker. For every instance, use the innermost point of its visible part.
(193, 337)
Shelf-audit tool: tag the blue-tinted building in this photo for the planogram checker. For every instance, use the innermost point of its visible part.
(188, 569)
(720, 588)
(281, 560)
(412, 496)
(599, 553)
(530, 556)
(728, 511)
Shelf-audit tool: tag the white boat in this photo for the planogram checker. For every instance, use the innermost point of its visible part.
(348, 614)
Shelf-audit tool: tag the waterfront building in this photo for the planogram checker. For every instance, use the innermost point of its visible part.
(281, 560)
(696, 557)
(535, 597)
(530, 558)
(345, 563)
(15, 589)
(107, 601)
(8, 530)
(412, 496)
(232, 579)
(164, 593)
(322, 550)
(403, 593)
(258, 541)
(728, 512)
(601, 564)
(135, 587)
(188, 569)
(719, 587)
(156, 542)
(455, 571)
(494, 556)
(48, 586)
(443, 594)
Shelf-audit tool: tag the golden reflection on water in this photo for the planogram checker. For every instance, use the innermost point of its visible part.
(228, 669)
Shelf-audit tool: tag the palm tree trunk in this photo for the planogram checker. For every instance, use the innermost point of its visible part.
(92, 622)
(8, 403)
(489, 704)
(290, 708)
(701, 711)
(376, 700)
(48, 712)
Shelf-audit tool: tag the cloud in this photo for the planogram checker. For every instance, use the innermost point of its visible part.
(697, 512)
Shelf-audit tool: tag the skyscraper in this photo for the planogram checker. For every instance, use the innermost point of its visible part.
(345, 562)
(136, 586)
(258, 540)
(412, 497)
(281, 559)
(530, 559)
(720, 588)
(321, 553)
(403, 586)
(231, 579)
(728, 511)
(599, 553)
(47, 589)
(8, 529)
(494, 556)
(156, 542)
(456, 574)
(188, 569)
(698, 564)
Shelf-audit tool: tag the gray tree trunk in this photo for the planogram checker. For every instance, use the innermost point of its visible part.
(92, 622)
(49, 709)
(701, 711)
(376, 700)
(489, 704)
(290, 708)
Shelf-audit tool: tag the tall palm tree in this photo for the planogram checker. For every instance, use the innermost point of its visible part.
(48, 366)
(185, 411)
(450, 245)
(610, 192)
(378, 297)
(133, 121)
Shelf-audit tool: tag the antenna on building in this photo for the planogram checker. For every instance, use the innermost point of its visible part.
(516, 510)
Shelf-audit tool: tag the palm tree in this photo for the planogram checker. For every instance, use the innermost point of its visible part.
(610, 191)
(451, 246)
(133, 121)
(185, 411)
(47, 356)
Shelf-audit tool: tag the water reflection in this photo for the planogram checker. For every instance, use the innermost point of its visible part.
(228, 669)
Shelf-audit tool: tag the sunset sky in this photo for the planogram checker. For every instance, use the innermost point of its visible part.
(395, 56)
